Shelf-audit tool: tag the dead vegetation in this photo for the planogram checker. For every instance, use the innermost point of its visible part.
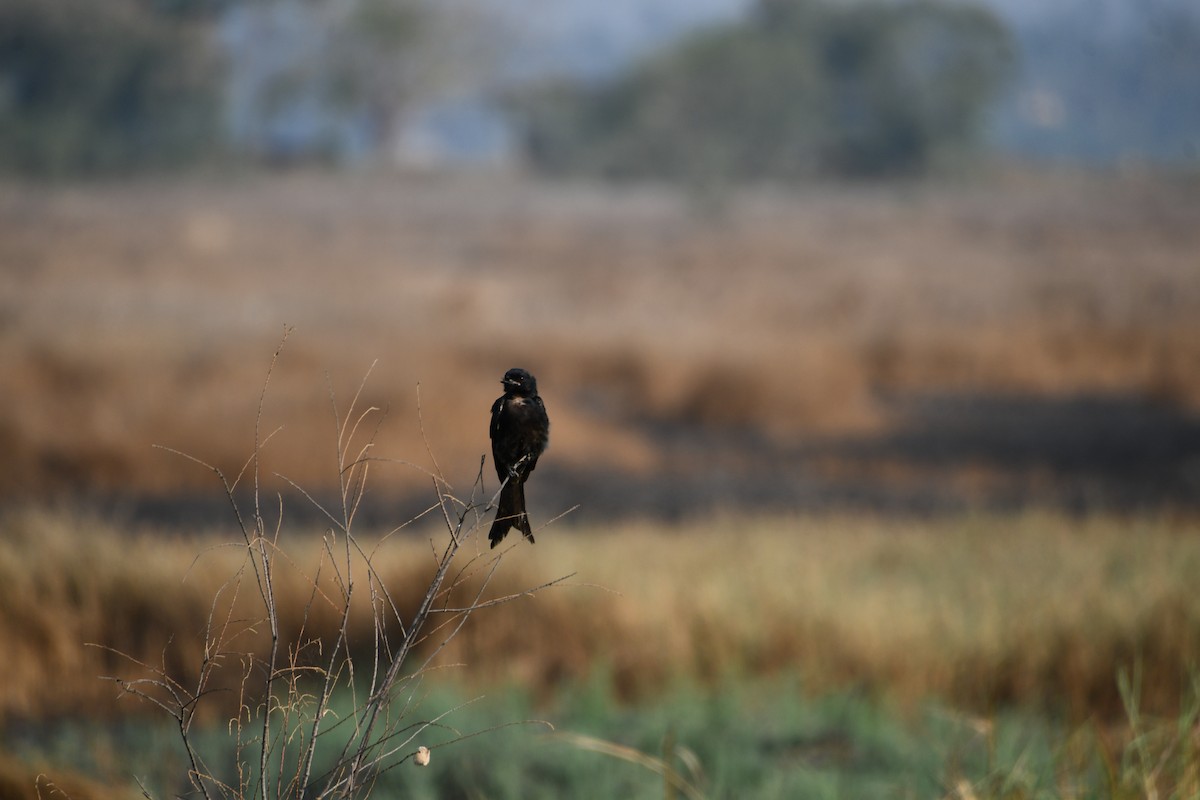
(137, 314)
(982, 612)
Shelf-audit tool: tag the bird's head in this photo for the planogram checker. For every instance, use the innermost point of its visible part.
(519, 382)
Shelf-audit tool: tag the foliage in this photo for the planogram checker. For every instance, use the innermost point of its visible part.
(323, 79)
(766, 738)
(803, 88)
(90, 87)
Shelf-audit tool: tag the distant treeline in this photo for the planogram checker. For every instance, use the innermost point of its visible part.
(791, 90)
(801, 88)
(102, 86)
(92, 87)
(1097, 90)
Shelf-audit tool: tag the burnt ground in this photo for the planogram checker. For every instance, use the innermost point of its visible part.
(945, 453)
(690, 363)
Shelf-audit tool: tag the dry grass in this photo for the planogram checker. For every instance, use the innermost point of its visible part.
(142, 314)
(1032, 609)
(139, 314)
(1035, 610)
(19, 781)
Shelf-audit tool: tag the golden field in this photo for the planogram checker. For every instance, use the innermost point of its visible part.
(1036, 610)
(911, 442)
(773, 352)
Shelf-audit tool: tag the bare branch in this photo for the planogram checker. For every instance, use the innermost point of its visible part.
(289, 681)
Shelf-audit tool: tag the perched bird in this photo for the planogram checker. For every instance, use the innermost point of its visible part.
(520, 431)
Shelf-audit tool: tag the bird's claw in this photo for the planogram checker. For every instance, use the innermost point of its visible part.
(514, 470)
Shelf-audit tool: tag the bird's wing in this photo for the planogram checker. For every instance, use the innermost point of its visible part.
(497, 411)
(544, 423)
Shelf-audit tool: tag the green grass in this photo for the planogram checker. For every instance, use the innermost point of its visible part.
(976, 657)
(753, 739)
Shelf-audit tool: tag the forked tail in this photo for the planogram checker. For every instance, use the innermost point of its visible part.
(510, 513)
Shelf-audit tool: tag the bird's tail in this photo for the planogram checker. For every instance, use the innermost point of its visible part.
(510, 513)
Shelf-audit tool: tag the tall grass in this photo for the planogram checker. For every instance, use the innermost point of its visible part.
(274, 631)
(282, 653)
(1035, 609)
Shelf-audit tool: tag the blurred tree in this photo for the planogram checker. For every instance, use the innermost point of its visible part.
(376, 60)
(801, 88)
(319, 79)
(88, 87)
(1112, 84)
